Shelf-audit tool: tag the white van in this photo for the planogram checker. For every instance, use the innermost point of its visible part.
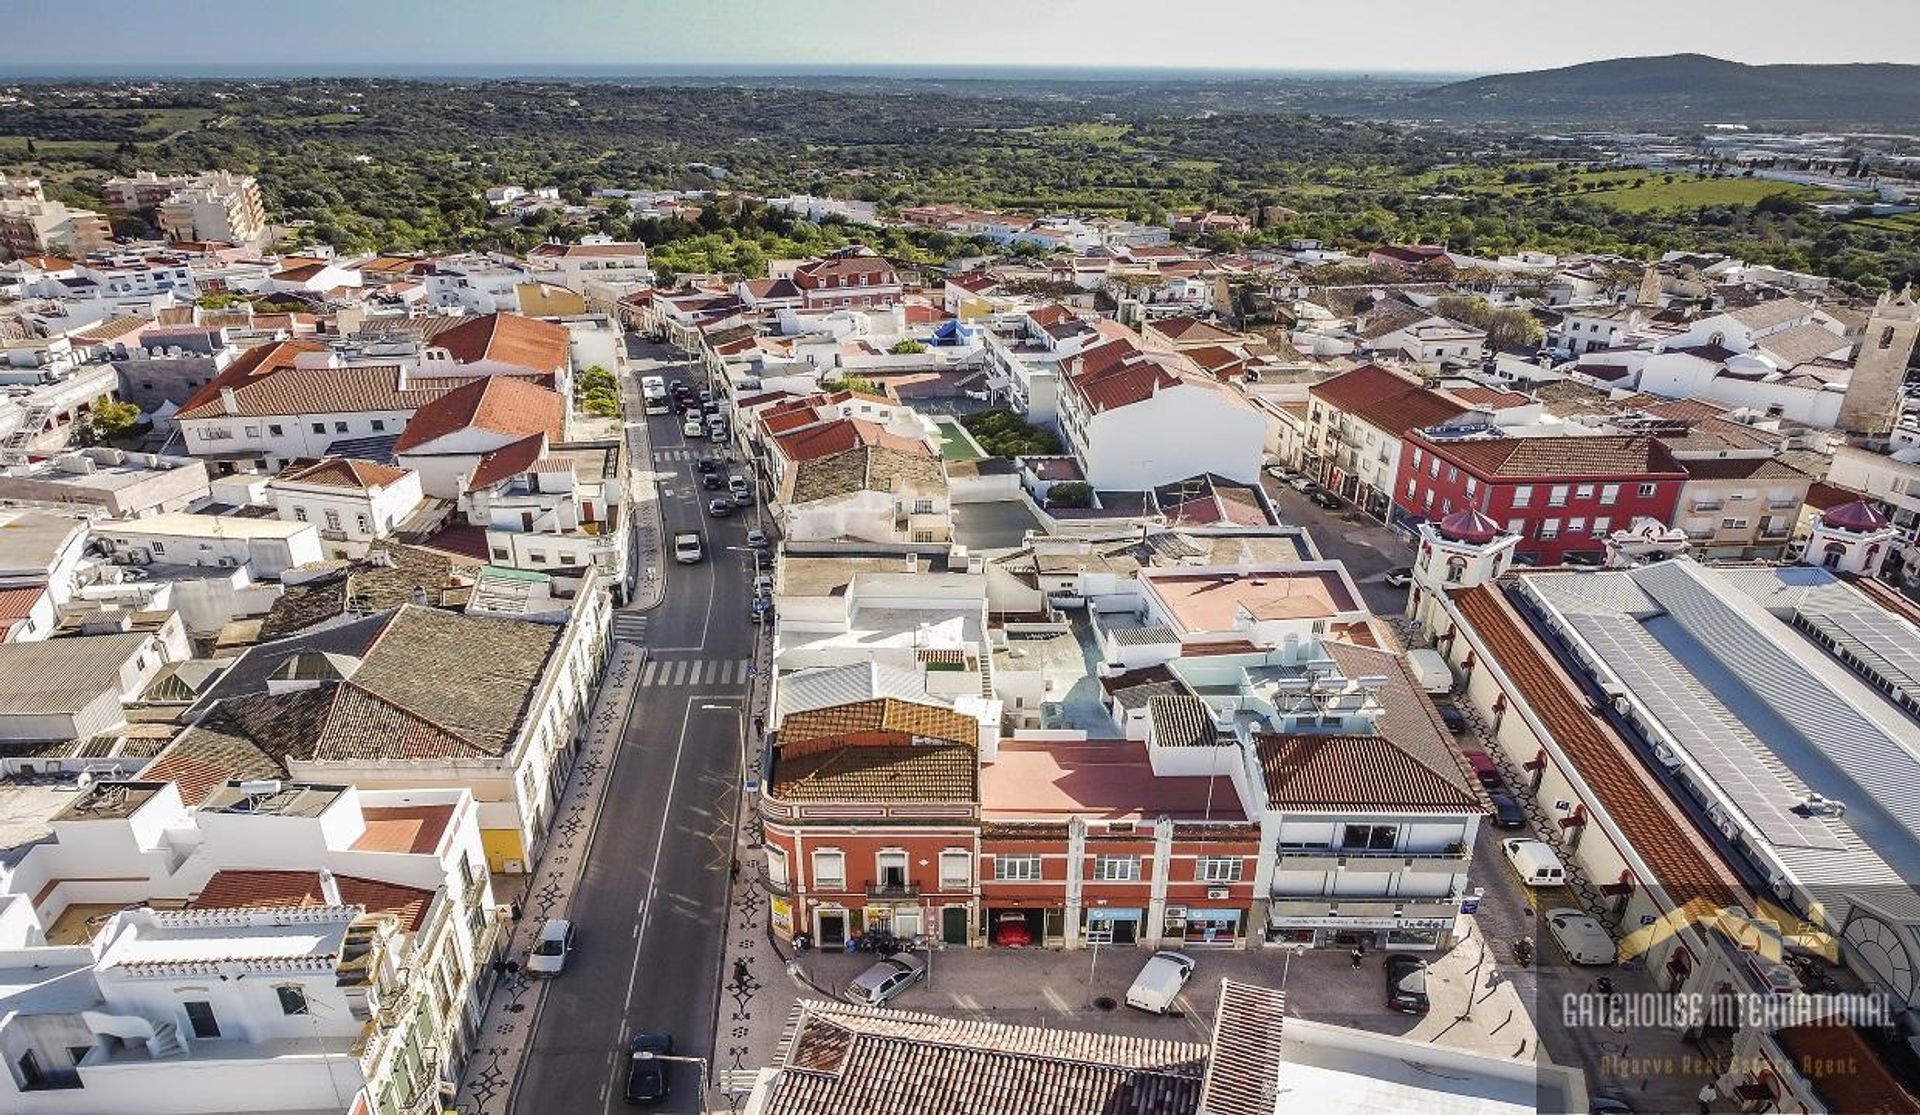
(1155, 988)
(1534, 862)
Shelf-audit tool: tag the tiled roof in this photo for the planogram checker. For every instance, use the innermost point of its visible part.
(1413, 409)
(1765, 315)
(1684, 868)
(840, 1059)
(946, 772)
(1366, 384)
(208, 756)
(255, 363)
(244, 890)
(826, 439)
(1793, 347)
(1338, 772)
(510, 460)
(400, 575)
(1491, 398)
(296, 392)
(63, 676)
(1125, 386)
(1181, 721)
(1186, 327)
(1244, 1058)
(1740, 468)
(883, 715)
(341, 472)
(500, 404)
(1606, 455)
(1845, 1069)
(1406, 716)
(538, 346)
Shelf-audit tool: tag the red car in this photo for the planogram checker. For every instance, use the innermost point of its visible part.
(1012, 931)
(1484, 767)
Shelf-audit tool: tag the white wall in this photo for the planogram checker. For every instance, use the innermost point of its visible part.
(1181, 432)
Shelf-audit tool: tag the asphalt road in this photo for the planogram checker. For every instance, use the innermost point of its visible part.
(650, 908)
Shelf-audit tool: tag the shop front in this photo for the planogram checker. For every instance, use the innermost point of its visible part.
(1325, 931)
(1111, 926)
(1209, 926)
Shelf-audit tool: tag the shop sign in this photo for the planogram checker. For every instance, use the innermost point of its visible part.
(783, 917)
(1361, 923)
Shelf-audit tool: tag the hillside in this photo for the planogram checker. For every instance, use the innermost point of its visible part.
(1686, 88)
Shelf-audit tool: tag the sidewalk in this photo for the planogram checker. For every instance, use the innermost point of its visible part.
(487, 1086)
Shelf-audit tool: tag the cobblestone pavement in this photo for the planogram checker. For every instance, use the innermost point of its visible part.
(486, 1088)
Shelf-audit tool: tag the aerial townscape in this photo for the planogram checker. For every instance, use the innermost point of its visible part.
(543, 573)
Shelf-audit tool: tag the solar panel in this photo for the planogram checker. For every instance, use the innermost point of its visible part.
(1884, 647)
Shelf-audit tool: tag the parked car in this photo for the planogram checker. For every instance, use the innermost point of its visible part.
(1281, 473)
(886, 979)
(1484, 768)
(686, 548)
(548, 956)
(1160, 981)
(720, 508)
(757, 538)
(743, 499)
(1400, 576)
(1456, 722)
(646, 1071)
(1407, 984)
(692, 427)
(1301, 484)
(1012, 931)
(761, 608)
(1507, 813)
(1320, 497)
(1534, 861)
(763, 584)
(706, 396)
(1581, 936)
(762, 560)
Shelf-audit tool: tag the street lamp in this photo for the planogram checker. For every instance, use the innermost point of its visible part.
(1287, 968)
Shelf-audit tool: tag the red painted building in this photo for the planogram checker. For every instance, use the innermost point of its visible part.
(1562, 495)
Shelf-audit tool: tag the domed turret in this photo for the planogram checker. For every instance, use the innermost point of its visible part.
(1858, 517)
(1468, 525)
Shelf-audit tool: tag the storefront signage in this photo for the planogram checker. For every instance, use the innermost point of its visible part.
(1361, 923)
(783, 917)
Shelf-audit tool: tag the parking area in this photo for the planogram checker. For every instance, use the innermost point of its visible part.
(1367, 547)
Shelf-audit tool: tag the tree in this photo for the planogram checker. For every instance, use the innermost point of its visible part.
(907, 348)
(863, 385)
(1070, 493)
(112, 419)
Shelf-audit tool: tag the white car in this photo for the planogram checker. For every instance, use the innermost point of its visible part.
(550, 950)
(1301, 484)
(1155, 988)
(1580, 936)
(692, 428)
(686, 547)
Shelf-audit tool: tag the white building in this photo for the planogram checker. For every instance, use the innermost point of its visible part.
(1137, 420)
(621, 265)
(267, 547)
(353, 502)
(555, 509)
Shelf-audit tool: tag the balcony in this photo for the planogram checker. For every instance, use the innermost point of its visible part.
(1708, 504)
(1447, 861)
(896, 892)
(332, 534)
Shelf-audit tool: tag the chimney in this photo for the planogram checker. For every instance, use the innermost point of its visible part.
(330, 889)
(229, 402)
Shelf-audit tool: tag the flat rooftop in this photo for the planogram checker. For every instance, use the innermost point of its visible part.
(413, 829)
(185, 525)
(1104, 779)
(28, 805)
(1216, 601)
(102, 478)
(830, 575)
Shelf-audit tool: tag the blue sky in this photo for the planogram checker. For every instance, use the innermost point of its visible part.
(1453, 36)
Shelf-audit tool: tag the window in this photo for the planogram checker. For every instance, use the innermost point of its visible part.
(339, 427)
(1557, 496)
(499, 554)
(1886, 337)
(1016, 869)
(1433, 468)
(1370, 837)
(1517, 526)
(1583, 491)
(923, 507)
(299, 514)
(891, 867)
(1609, 494)
(159, 547)
(1116, 869)
(200, 1017)
(1523, 495)
(319, 427)
(1411, 484)
(829, 869)
(1577, 526)
(379, 424)
(538, 557)
(1601, 524)
(1453, 474)
(293, 998)
(1416, 457)
(1737, 523)
(956, 869)
(1473, 487)
(274, 429)
(1549, 529)
(364, 524)
(1429, 500)
(1647, 490)
(1456, 569)
(253, 431)
(1218, 869)
(333, 520)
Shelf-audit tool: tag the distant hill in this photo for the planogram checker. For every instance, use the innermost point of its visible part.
(1685, 87)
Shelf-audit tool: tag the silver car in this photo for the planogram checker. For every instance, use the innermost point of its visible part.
(880, 983)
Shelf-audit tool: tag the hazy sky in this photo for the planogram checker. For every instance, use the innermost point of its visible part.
(1452, 36)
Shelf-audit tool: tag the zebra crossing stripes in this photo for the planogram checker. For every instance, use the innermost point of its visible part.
(662, 455)
(629, 627)
(670, 672)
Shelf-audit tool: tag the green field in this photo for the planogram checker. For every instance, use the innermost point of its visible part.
(955, 443)
(1696, 193)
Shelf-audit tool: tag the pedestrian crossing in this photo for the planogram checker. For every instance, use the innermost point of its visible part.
(664, 456)
(670, 672)
(629, 627)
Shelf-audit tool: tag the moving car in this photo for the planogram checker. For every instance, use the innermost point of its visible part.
(720, 508)
(1407, 984)
(1534, 862)
(1507, 813)
(686, 547)
(1012, 931)
(692, 428)
(1160, 981)
(1400, 576)
(707, 464)
(1484, 768)
(1320, 497)
(713, 482)
(646, 1071)
(886, 979)
(548, 956)
(1580, 936)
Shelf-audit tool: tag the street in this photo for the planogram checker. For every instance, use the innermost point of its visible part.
(650, 906)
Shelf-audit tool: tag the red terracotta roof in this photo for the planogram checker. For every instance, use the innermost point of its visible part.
(1845, 1070)
(511, 459)
(17, 603)
(243, 890)
(1553, 457)
(502, 404)
(1334, 772)
(1684, 867)
(1491, 398)
(342, 472)
(842, 435)
(538, 346)
(1413, 409)
(1365, 384)
(297, 392)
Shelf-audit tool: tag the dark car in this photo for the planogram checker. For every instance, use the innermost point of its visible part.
(646, 1071)
(1453, 718)
(1320, 497)
(1507, 813)
(1484, 768)
(720, 508)
(1400, 577)
(1407, 984)
(707, 464)
(713, 481)
(706, 396)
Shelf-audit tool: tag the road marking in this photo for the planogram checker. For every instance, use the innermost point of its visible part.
(647, 671)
